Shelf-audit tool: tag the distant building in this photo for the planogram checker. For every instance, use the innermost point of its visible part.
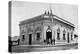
(46, 29)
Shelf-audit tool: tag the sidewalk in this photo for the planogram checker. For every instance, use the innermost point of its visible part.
(34, 48)
(43, 46)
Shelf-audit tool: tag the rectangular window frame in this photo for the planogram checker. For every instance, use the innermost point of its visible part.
(64, 36)
(38, 36)
(58, 36)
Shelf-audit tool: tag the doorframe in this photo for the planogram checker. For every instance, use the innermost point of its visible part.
(30, 39)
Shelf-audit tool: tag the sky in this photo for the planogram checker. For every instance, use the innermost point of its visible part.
(25, 10)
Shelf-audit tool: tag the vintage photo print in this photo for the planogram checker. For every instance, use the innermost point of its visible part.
(35, 26)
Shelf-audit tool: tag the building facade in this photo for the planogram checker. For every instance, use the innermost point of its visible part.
(46, 29)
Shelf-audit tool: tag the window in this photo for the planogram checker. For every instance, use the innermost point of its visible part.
(23, 37)
(58, 33)
(64, 35)
(58, 36)
(38, 36)
(68, 37)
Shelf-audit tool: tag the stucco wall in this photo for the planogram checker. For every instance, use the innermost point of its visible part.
(42, 26)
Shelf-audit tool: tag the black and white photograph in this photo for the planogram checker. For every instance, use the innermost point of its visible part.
(36, 26)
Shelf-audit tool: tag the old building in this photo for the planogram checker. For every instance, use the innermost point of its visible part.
(46, 29)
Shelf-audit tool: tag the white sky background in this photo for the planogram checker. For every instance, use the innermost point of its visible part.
(26, 10)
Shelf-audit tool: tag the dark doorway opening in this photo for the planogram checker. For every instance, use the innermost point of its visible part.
(30, 39)
(49, 37)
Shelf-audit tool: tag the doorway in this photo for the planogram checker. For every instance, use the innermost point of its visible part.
(30, 39)
(49, 37)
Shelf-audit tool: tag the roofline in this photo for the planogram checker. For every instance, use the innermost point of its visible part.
(67, 22)
(30, 18)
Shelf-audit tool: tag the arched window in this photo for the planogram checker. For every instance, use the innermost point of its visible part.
(58, 33)
(64, 35)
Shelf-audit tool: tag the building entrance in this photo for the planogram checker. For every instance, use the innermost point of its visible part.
(30, 39)
(49, 36)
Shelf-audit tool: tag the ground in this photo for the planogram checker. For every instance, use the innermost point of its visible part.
(34, 48)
